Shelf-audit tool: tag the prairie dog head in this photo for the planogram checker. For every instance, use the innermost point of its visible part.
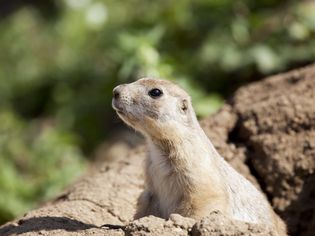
(154, 107)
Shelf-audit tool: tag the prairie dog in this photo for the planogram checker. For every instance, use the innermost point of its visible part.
(184, 172)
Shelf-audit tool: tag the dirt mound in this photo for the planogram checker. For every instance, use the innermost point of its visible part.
(277, 126)
(266, 131)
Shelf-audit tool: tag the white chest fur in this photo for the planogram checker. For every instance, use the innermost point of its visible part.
(165, 183)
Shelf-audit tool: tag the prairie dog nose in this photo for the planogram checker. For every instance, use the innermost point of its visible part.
(117, 91)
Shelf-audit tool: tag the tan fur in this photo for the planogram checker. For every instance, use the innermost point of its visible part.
(184, 173)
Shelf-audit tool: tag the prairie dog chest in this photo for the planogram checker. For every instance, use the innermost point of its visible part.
(167, 184)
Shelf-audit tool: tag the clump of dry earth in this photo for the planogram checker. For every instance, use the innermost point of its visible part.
(266, 131)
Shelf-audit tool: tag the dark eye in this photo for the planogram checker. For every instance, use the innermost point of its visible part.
(155, 93)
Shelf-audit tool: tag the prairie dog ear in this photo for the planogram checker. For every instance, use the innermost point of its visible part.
(184, 105)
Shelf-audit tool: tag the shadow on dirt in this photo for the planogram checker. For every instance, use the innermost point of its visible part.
(46, 223)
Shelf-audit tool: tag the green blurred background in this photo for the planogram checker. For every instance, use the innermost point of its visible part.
(59, 61)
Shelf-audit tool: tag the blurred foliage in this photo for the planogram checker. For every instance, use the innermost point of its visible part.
(61, 65)
(36, 161)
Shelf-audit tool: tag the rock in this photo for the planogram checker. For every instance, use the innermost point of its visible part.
(152, 225)
(182, 222)
(217, 224)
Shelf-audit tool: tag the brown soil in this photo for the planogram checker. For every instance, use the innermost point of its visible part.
(266, 131)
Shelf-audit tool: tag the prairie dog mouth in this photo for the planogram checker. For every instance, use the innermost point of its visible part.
(118, 109)
(120, 113)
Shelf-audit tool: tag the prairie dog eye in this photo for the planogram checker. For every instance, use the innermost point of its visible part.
(155, 93)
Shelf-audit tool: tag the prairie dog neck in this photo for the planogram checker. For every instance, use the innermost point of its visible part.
(189, 145)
